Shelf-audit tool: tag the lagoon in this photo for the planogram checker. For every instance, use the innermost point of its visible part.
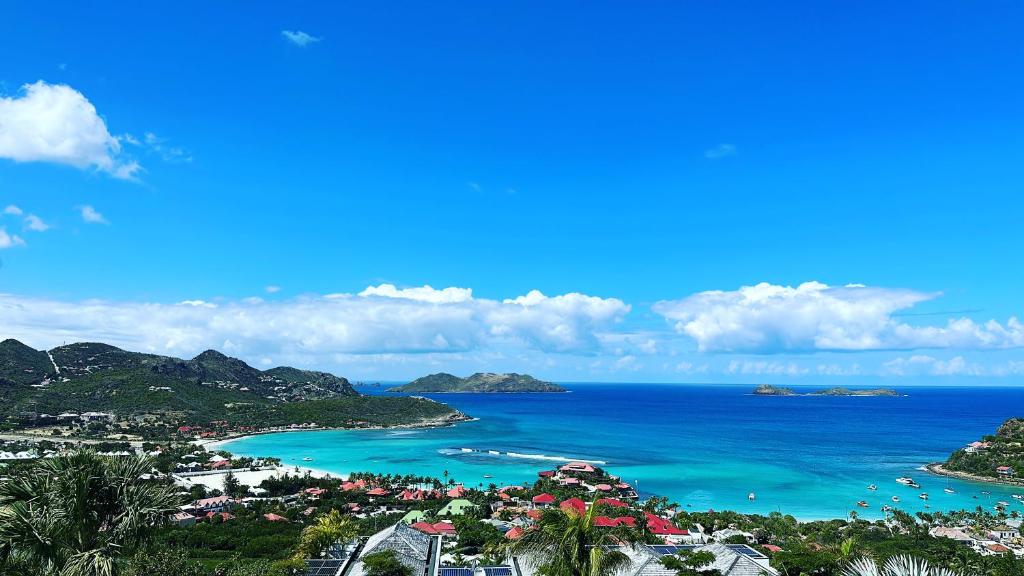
(704, 446)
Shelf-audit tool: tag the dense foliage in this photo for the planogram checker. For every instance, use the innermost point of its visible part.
(479, 382)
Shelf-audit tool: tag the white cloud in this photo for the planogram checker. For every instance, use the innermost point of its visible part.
(9, 240)
(720, 151)
(272, 289)
(56, 123)
(422, 293)
(35, 223)
(318, 329)
(91, 216)
(769, 319)
(299, 38)
(12, 210)
(766, 367)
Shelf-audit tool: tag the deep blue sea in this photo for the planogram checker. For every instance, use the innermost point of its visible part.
(706, 447)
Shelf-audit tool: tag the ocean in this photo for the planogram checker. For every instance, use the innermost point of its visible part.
(705, 447)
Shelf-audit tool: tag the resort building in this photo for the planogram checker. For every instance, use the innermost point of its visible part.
(456, 507)
(418, 551)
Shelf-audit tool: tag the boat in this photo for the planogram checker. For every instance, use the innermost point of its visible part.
(862, 504)
(886, 508)
(923, 495)
(872, 487)
(1002, 504)
(986, 493)
(751, 496)
(905, 480)
(949, 491)
(488, 476)
(914, 485)
(307, 459)
(895, 498)
(1019, 496)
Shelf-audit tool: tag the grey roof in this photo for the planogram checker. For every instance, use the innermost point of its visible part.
(730, 560)
(411, 547)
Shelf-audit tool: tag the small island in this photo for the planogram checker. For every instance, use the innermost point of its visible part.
(487, 382)
(769, 390)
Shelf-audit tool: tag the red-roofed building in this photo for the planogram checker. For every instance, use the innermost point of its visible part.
(544, 499)
(603, 487)
(771, 548)
(504, 496)
(997, 548)
(606, 522)
(569, 481)
(274, 518)
(425, 527)
(457, 492)
(574, 504)
(377, 492)
(357, 485)
(446, 528)
(514, 533)
(534, 514)
(578, 467)
(612, 502)
(220, 465)
(314, 493)
(546, 473)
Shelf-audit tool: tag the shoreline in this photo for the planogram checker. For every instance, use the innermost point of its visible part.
(425, 425)
(937, 469)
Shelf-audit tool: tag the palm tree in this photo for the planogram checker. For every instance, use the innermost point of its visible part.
(328, 529)
(566, 543)
(76, 514)
(896, 566)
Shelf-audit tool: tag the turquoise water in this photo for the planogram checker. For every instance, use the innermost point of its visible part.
(703, 446)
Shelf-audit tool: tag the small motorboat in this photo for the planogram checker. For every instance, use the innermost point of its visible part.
(307, 459)
(1002, 504)
(923, 495)
(751, 496)
(905, 480)
(914, 485)
(488, 476)
(886, 508)
(862, 504)
(895, 498)
(1019, 496)
(872, 487)
(949, 491)
(986, 493)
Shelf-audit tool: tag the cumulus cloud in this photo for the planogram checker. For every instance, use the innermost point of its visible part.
(318, 329)
(299, 38)
(9, 240)
(813, 316)
(12, 210)
(423, 293)
(56, 123)
(35, 223)
(720, 151)
(91, 216)
(272, 289)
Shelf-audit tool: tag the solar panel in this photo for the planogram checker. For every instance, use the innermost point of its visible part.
(498, 571)
(323, 567)
(746, 551)
(456, 571)
(665, 549)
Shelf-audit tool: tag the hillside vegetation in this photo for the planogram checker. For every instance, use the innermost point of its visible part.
(983, 457)
(95, 377)
(479, 382)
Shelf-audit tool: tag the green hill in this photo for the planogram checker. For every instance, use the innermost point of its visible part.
(479, 382)
(21, 365)
(1004, 448)
(212, 386)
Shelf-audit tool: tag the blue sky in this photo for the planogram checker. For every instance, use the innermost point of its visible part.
(633, 156)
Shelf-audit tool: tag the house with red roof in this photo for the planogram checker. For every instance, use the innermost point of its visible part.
(574, 504)
(425, 527)
(457, 492)
(606, 522)
(515, 532)
(534, 514)
(543, 500)
(314, 493)
(446, 528)
(377, 492)
(271, 517)
(577, 467)
(603, 488)
(771, 548)
(612, 502)
(220, 465)
(569, 481)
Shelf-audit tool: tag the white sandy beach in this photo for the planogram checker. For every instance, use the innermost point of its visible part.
(215, 480)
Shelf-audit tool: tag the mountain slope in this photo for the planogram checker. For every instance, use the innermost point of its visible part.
(479, 382)
(211, 386)
(21, 365)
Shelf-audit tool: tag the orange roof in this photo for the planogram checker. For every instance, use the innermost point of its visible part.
(275, 518)
(579, 506)
(514, 533)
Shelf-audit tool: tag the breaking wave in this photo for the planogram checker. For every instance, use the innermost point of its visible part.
(546, 457)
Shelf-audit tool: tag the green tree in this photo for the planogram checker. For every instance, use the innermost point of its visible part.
(687, 563)
(77, 514)
(233, 487)
(327, 530)
(568, 544)
(162, 562)
(385, 563)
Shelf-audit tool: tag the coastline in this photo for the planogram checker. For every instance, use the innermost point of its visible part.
(938, 469)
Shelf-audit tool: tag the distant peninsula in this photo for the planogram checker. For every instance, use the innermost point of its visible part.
(480, 382)
(769, 390)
